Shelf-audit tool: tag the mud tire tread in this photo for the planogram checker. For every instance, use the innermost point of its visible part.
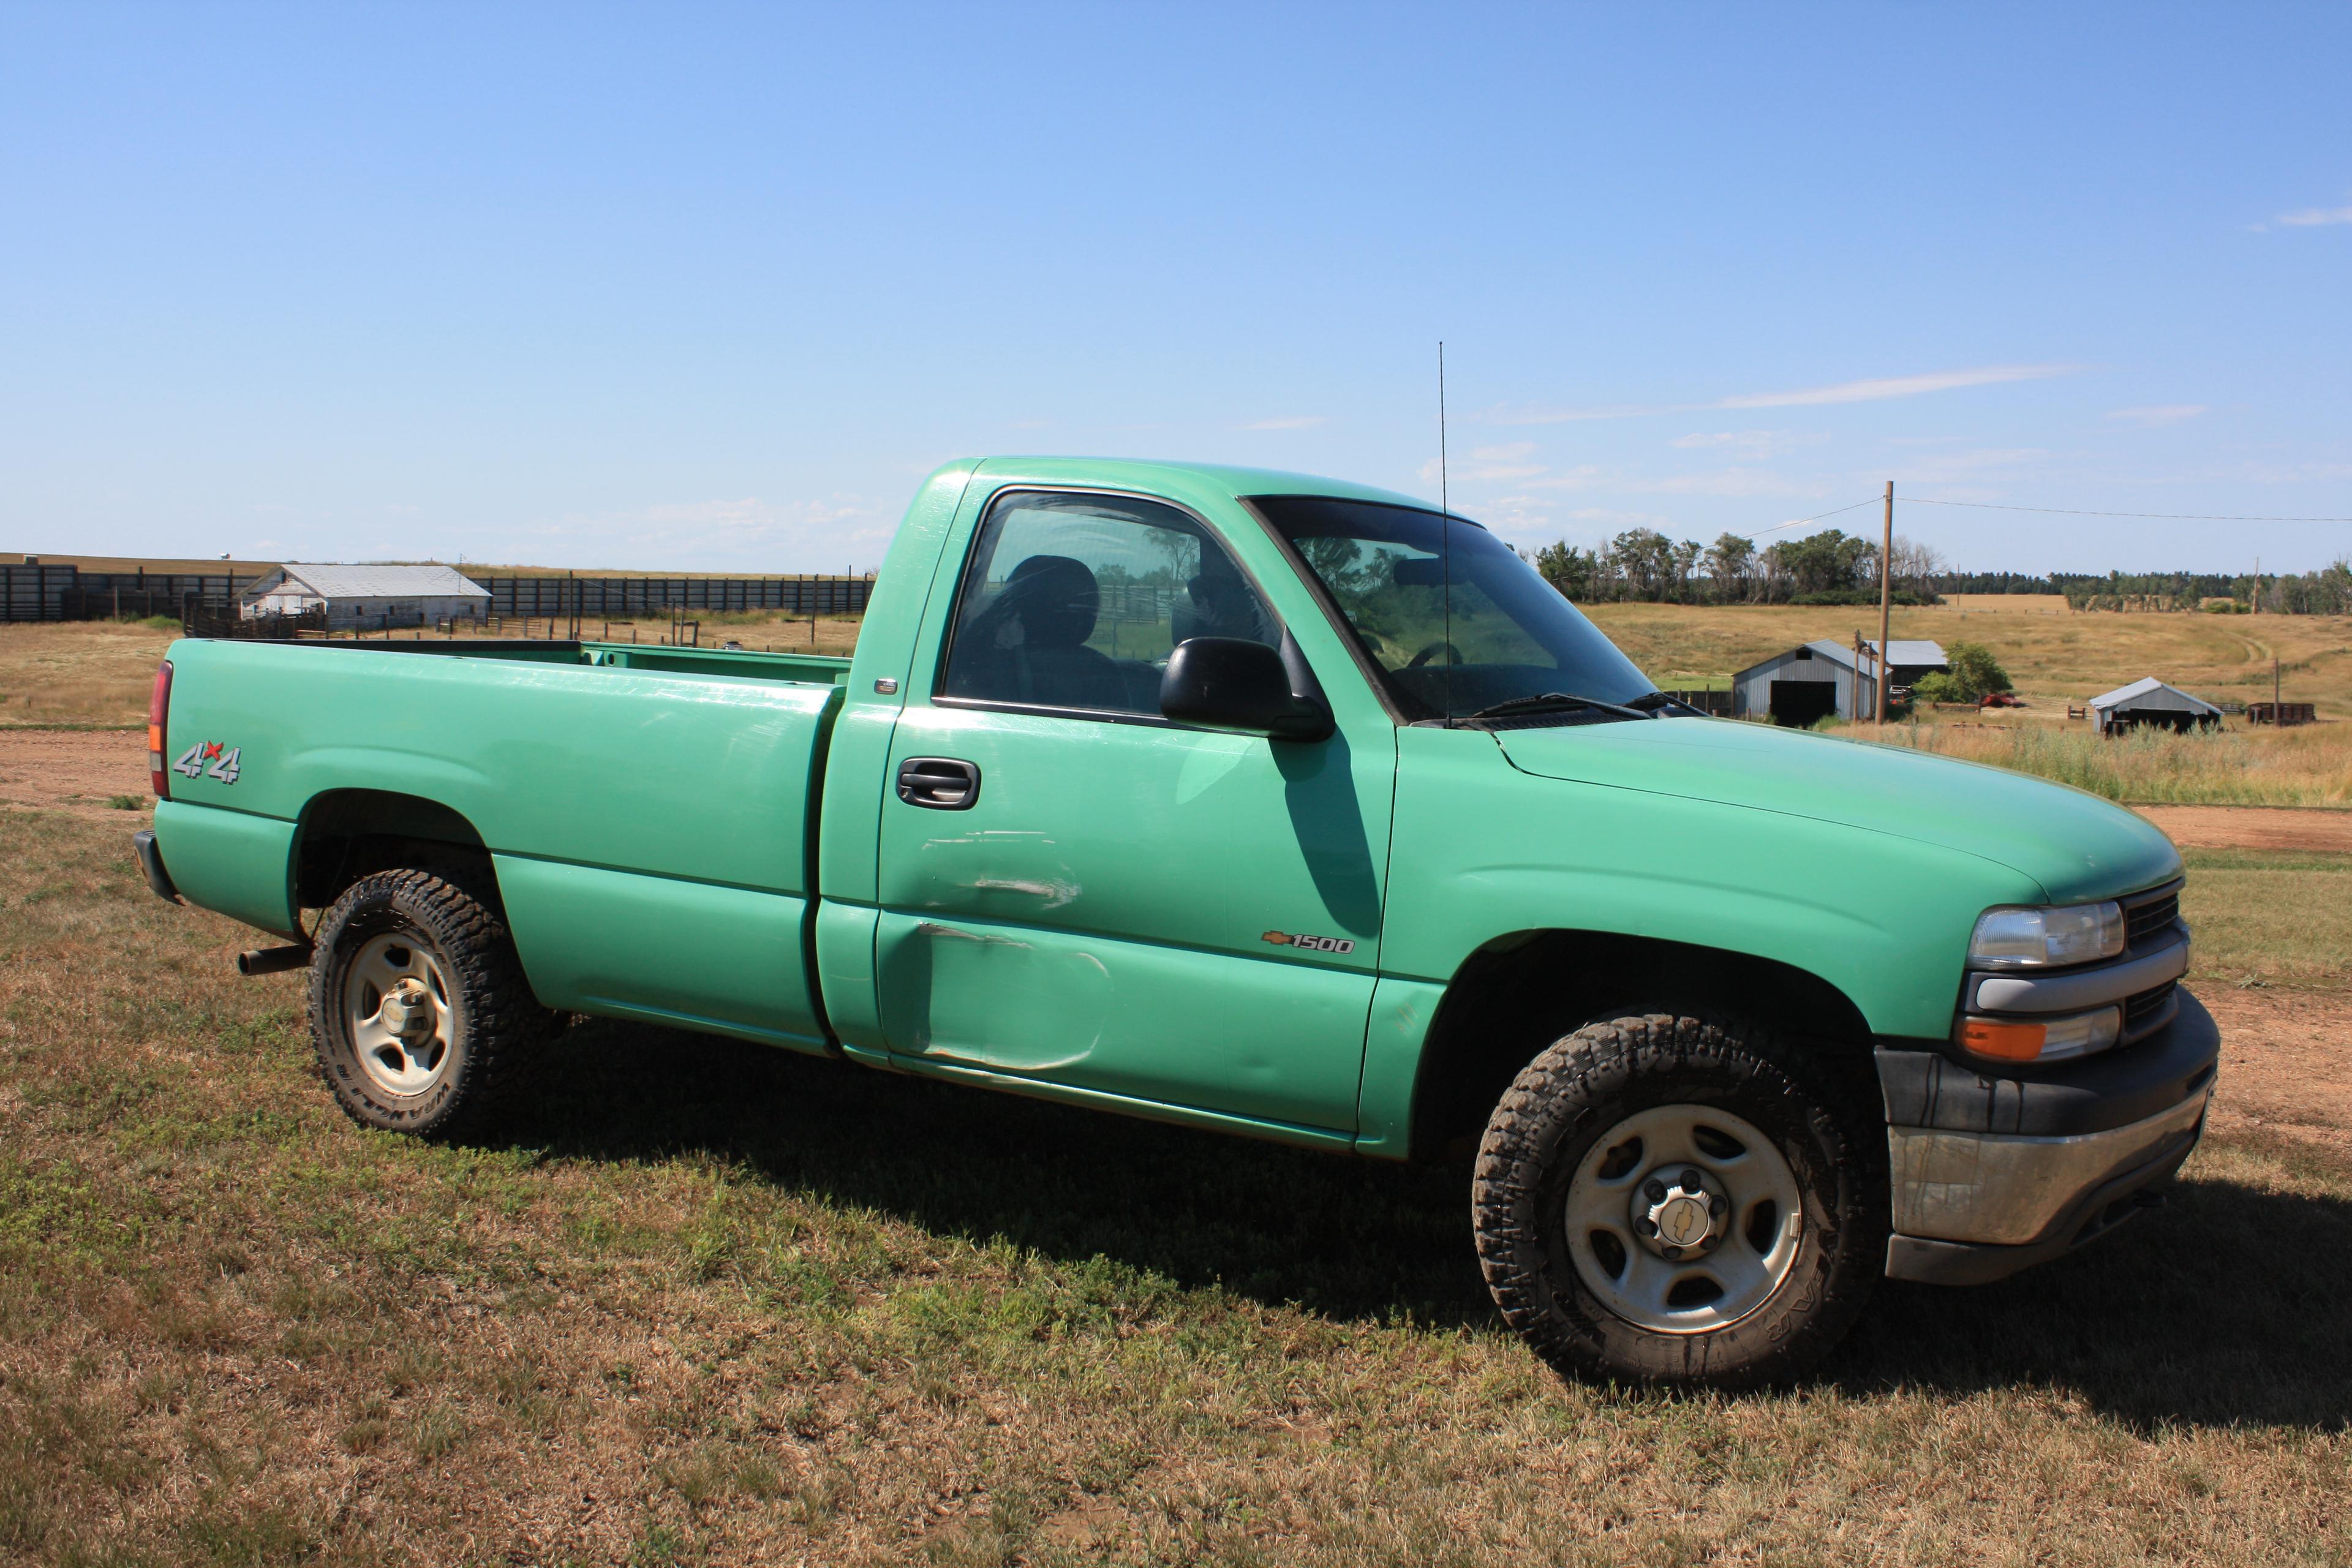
(1583, 1084)
(506, 1029)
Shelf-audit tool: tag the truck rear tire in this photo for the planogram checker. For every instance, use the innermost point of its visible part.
(418, 1004)
(1676, 1200)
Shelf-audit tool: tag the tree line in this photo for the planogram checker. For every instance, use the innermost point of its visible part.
(1833, 567)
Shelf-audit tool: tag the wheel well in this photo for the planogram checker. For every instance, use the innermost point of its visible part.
(1519, 992)
(348, 834)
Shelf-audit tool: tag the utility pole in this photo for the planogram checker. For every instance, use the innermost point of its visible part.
(1853, 686)
(1886, 599)
(2277, 714)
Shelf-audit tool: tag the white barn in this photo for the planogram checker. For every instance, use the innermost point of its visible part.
(1819, 678)
(2149, 702)
(366, 596)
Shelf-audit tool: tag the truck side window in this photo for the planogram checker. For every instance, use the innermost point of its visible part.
(1076, 601)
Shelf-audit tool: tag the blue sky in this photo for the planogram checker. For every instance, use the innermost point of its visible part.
(712, 288)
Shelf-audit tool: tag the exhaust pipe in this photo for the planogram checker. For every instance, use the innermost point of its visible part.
(271, 960)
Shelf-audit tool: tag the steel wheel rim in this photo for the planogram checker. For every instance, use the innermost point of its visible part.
(396, 1006)
(1643, 1279)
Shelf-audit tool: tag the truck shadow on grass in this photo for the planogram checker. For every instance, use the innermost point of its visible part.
(2226, 1306)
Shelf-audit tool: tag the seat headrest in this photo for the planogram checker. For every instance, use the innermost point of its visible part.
(1056, 599)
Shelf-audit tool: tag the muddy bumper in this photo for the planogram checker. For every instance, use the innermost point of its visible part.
(1992, 1175)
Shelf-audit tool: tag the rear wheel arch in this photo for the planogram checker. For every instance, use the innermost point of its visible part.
(344, 835)
(1520, 992)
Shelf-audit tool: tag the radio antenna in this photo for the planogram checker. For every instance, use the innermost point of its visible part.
(1445, 534)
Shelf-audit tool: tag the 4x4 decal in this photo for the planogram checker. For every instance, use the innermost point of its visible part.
(209, 759)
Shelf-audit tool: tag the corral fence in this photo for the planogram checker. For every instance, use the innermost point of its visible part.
(41, 592)
(46, 593)
(1717, 703)
(623, 598)
(203, 620)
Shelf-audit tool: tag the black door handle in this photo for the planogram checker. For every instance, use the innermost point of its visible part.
(943, 783)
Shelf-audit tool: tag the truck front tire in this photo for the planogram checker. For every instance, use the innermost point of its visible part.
(1676, 1200)
(418, 1005)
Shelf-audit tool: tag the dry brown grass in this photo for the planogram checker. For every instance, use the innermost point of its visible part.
(2308, 765)
(2054, 659)
(697, 1301)
(79, 672)
(98, 673)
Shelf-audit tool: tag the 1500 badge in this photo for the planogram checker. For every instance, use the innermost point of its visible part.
(1311, 944)
(209, 759)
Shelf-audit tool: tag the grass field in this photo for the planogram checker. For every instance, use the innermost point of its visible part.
(2054, 659)
(695, 1301)
(98, 673)
(703, 1302)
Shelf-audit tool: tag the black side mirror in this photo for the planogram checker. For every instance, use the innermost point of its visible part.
(1244, 688)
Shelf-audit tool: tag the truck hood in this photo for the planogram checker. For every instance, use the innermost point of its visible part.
(2077, 846)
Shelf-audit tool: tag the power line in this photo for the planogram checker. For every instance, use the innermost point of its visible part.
(2079, 511)
(1800, 521)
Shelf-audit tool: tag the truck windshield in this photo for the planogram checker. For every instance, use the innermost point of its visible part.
(1512, 635)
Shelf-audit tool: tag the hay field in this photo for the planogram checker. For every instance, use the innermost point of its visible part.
(97, 673)
(2054, 659)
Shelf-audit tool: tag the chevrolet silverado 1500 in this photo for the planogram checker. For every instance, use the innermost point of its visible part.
(1266, 803)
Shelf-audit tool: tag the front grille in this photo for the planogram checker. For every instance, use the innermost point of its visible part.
(2150, 913)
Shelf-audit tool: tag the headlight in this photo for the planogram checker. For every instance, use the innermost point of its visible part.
(2040, 1039)
(2036, 938)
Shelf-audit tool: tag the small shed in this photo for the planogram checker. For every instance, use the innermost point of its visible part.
(1819, 678)
(366, 596)
(2149, 703)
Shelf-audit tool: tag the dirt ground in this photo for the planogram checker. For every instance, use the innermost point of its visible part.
(2252, 827)
(80, 770)
(2287, 1063)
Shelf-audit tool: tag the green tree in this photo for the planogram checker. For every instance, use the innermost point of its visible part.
(1730, 561)
(1974, 673)
(1568, 569)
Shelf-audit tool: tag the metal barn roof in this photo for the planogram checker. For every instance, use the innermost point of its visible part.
(331, 582)
(1906, 653)
(2149, 692)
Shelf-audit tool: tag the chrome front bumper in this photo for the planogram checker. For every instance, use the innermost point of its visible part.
(1991, 1176)
(2005, 1192)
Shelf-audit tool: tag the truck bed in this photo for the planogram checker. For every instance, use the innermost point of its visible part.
(734, 663)
(649, 811)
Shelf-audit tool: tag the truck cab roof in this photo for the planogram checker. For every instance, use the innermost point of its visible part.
(1152, 473)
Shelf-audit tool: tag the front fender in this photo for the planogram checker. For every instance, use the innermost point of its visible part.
(1482, 850)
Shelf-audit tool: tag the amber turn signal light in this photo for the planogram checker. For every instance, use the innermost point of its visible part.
(2003, 1041)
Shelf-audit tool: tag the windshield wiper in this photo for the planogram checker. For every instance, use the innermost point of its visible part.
(1553, 700)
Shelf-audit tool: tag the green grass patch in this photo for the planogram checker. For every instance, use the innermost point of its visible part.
(2270, 916)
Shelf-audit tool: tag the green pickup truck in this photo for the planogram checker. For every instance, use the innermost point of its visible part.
(1265, 804)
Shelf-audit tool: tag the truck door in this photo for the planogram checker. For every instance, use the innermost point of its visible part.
(1074, 890)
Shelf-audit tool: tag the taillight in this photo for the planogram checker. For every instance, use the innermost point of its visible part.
(159, 704)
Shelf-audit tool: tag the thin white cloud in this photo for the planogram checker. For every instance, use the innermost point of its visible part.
(1756, 444)
(2161, 414)
(1875, 390)
(1884, 387)
(2315, 217)
(1287, 422)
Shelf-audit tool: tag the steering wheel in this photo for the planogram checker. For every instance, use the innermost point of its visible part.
(1453, 654)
